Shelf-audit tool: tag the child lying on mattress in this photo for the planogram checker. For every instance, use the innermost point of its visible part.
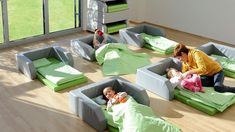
(190, 82)
(99, 39)
(113, 98)
(125, 114)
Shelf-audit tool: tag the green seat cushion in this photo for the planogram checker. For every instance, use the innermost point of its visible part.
(115, 27)
(115, 7)
(59, 73)
(56, 87)
(41, 62)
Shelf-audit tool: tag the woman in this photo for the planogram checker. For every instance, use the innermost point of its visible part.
(197, 62)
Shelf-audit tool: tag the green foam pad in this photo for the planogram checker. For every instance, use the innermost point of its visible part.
(199, 106)
(115, 27)
(41, 62)
(62, 86)
(164, 52)
(117, 7)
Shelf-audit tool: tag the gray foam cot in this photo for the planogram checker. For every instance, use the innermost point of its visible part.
(131, 35)
(24, 60)
(151, 77)
(84, 46)
(81, 103)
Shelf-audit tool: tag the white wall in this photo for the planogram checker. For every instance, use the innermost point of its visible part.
(210, 18)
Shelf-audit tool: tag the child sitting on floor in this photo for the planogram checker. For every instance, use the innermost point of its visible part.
(99, 39)
(191, 82)
(114, 98)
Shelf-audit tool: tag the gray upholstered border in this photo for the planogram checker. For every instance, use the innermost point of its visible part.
(81, 103)
(151, 77)
(131, 35)
(218, 49)
(83, 46)
(24, 60)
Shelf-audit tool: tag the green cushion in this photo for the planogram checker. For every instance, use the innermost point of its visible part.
(228, 65)
(164, 52)
(159, 43)
(115, 7)
(199, 106)
(41, 62)
(60, 73)
(62, 86)
(115, 27)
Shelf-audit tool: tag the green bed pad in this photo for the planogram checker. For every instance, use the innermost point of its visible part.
(55, 87)
(159, 43)
(209, 102)
(164, 52)
(199, 106)
(227, 64)
(117, 7)
(115, 27)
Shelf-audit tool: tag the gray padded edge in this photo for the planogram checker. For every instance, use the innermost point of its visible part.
(25, 65)
(81, 103)
(218, 49)
(150, 77)
(83, 46)
(24, 59)
(64, 55)
(131, 35)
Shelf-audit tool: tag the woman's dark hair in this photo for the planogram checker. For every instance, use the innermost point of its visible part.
(180, 48)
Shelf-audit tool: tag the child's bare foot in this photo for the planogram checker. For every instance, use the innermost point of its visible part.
(202, 90)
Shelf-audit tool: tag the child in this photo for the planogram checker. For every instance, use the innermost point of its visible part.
(113, 98)
(191, 82)
(99, 39)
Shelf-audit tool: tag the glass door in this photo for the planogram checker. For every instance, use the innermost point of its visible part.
(61, 14)
(25, 18)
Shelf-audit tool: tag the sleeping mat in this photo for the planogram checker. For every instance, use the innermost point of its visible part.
(228, 65)
(117, 59)
(159, 43)
(209, 102)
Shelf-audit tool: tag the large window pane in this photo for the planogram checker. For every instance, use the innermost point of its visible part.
(1, 26)
(25, 18)
(61, 14)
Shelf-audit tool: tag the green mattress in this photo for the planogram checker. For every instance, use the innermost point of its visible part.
(45, 68)
(228, 65)
(115, 7)
(209, 102)
(158, 43)
(164, 52)
(115, 27)
(55, 87)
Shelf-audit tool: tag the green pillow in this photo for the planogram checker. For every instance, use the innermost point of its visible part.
(41, 62)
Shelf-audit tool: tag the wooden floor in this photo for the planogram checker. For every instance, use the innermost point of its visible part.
(29, 106)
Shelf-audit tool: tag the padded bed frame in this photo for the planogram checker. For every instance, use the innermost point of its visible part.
(84, 46)
(131, 35)
(81, 103)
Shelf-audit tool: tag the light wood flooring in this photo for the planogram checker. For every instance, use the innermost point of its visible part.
(29, 106)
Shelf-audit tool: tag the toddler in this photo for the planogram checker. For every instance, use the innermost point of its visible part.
(99, 39)
(114, 98)
(190, 82)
